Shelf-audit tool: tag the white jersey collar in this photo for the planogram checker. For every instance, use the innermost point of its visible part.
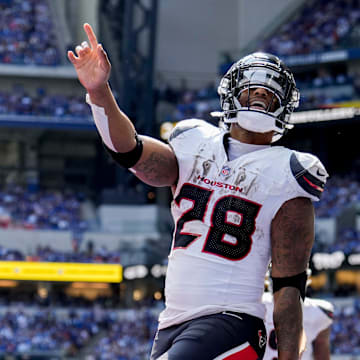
(237, 148)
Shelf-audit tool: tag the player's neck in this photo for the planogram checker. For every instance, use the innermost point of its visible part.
(249, 137)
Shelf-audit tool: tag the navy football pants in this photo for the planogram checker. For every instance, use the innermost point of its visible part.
(224, 336)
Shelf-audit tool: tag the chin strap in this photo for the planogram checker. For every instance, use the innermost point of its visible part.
(256, 121)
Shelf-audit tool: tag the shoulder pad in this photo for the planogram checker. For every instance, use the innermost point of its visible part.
(186, 125)
(325, 306)
(309, 173)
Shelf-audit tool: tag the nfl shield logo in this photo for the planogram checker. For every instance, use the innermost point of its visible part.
(225, 171)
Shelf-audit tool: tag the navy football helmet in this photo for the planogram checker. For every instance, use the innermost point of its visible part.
(259, 70)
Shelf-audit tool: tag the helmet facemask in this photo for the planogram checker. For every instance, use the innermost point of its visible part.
(265, 71)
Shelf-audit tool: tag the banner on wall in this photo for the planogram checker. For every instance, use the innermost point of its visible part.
(65, 272)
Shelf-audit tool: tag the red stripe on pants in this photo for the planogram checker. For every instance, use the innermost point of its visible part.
(245, 354)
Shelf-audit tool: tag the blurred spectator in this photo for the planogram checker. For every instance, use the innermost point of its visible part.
(46, 209)
(125, 334)
(27, 33)
(98, 255)
(348, 242)
(44, 330)
(19, 102)
(321, 25)
(345, 334)
(128, 339)
(339, 193)
(48, 254)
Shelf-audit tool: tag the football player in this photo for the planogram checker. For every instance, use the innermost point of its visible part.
(237, 202)
(318, 318)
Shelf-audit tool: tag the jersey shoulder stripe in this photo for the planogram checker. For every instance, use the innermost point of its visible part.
(178, 130)
(325, 306)
(327, 312)
(312, 182)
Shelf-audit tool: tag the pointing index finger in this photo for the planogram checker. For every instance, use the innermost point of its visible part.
(91, 35)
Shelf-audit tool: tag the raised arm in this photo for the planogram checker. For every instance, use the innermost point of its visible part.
(292, 236)
(157, 164)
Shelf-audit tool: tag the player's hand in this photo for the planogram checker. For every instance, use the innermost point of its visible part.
(91, 62)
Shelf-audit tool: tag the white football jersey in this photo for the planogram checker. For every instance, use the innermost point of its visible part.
(223, 211)
(317, 316)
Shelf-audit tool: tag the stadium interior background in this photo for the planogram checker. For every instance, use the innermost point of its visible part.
(83, 244)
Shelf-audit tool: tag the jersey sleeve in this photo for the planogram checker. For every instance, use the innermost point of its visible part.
(309, 173)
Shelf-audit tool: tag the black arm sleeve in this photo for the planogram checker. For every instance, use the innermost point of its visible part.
(130, 158)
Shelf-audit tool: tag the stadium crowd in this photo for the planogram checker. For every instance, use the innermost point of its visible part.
(345, 332)
(128, 339)
(19, 102)
(348, 242)
(47, 254)
(43, 209)
(45, 330)
(173, 104)
(27, 33)
(122, 335)
(321, 25)
(340, 192)
(29, 22)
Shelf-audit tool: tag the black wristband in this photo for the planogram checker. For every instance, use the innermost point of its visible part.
(130, 158)
(298, 281)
